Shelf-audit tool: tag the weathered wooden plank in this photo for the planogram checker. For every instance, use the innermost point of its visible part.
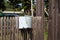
(7, 37)
(38, 22)
(22, 34)
(57, 19)
(10, 28)
(1, 28)
(52, 28)
(4, 28)
(17, 30)
(29, 34)
(38, 29)
(39, 7)
(15, 27)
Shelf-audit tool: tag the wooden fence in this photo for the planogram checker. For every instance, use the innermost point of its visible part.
(9, 31)
(54, 20)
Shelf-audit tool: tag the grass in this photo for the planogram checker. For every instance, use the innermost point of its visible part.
(45, 35)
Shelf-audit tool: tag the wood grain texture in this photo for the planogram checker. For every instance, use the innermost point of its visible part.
(53, 20)
(10, 32)
(39, 7)
(58, 19)
(38, 29)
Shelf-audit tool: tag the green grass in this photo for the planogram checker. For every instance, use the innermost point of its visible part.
(45, 35)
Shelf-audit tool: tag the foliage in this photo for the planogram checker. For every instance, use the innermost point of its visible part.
(46, 6)
(14, 2)
(26, 4)
(11, 4)
(2, 6)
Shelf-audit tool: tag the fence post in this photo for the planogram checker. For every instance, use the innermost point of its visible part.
(58, 19)
(38, 21)
(53, 29)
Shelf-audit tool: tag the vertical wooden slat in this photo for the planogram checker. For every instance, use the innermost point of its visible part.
(21, 34)
(14, 28)
(38, 21)
(10, 28)
(51, 21)
(8, 24)
(29, 34)
(1, 28)
(7, 37)
(18, 31)
(4, 28)
(24, 34)
(17, 28)
(38, 33)
(57, 19)
(52, 28)
(39, 7)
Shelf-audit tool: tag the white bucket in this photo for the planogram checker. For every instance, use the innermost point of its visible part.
(25, 22)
